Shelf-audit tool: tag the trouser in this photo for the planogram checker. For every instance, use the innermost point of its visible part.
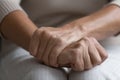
(19, 65)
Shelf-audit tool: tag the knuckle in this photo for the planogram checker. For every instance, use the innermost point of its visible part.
(53, 36)
(60, 42)
(83, 44)
(56, 52)
(93, 39)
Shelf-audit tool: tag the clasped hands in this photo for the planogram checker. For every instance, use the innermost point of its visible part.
(66, 47)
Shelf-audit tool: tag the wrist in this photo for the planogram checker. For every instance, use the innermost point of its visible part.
(18, 28)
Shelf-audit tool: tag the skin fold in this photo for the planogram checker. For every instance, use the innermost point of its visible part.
(57, 46)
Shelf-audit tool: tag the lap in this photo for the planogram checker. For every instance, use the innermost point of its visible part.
(19, 65)
(108, 70)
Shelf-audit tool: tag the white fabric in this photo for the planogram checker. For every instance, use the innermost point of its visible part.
(19, 65)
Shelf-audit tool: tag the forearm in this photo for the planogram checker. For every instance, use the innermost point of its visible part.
(18, 28)
(102, 24)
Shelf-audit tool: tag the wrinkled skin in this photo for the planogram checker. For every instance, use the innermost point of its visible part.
(47, 43)
(66, 47)
(83, 55)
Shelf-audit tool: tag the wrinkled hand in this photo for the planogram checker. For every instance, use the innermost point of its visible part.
(47, 43)
(83, 55)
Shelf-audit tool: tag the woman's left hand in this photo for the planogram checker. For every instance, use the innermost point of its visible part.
(83, 54)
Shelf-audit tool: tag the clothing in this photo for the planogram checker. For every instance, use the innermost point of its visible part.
(17, 64)
(7, 6)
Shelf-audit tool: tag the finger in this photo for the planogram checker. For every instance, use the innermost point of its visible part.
(100, 49)
(47, 51)
(78, 64)
(64, 58)
(86, 56)
(57, 49)
(35, 42)
(42, 45)
(38, 52)
(94, 55)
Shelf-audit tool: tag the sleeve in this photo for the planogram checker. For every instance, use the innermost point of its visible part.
(115, 2)
(7, 6)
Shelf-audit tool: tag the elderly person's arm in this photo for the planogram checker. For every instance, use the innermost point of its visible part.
(101, 24)
(15, 24)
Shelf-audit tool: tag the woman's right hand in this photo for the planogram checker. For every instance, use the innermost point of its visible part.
(83, 54)
(47, 43)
